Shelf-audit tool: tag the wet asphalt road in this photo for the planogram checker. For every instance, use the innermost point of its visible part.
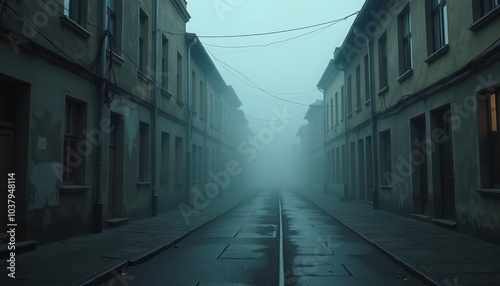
(242, 247)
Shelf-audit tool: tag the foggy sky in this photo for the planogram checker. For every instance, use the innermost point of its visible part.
(293, 66)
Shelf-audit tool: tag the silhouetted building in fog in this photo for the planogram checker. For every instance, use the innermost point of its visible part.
(411, 112)
(315, 117)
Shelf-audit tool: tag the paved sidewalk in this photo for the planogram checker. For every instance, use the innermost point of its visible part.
(94, 258)
(436, 255)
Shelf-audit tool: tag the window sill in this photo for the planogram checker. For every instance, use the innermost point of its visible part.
(405, 75)
(386, 187)
(484, 20)
(357, 110)
(349, 114)
(143, 184)
(491, 193)
(115, 57)
(437, 54)
(180, 102)
(177, 184)
(74, 188)
(421, 216)
(383, 90)
(166, 93)
(446, 222)
(75, 27)
(367, 102)
(144, 76)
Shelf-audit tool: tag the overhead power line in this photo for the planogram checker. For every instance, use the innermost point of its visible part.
(279, 31)
(253, 84)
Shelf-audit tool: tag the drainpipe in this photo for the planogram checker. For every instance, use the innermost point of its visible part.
(205, 124)
(373, 120)
(346, 183)
(154, 112)
(189, 122)
(325, 159)
(101, 115)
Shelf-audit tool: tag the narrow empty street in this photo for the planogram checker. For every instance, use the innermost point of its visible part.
(242, 247)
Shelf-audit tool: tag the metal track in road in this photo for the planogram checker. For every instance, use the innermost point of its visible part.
(282, 264)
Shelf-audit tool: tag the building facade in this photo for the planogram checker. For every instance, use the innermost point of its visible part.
(109, 111)
(315, 117)
(421, 132)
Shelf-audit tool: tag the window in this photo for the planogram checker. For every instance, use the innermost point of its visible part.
(336, 107)
(492, 113)
(494, 139)
(179, 76)
(358, 87)
(143, 152)
(439, 24)
(328, 115)
(385, 158)
(405, 57)
(178, 160)
(72, 129)
(73, 10)
(367, 76)
(331, 112)
(194, 163)
(164, 63)
(337, 171)
(343, 164)
(342, 100)
(143, 40)
(200, 164)
(165, 158)
(211, 114)
(349, 95)
(112, 22)
(193, 91)
(488, 5)
(202, 102)
(382, 62)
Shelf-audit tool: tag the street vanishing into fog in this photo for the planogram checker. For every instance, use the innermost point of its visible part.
(242, 247)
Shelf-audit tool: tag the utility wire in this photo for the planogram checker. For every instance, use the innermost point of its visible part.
(253, 84)
(275, 32)
(275, 42)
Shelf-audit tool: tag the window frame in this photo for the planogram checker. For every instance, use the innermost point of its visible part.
(164, 62)
(73, 119)
(439, 13)
(143, 38)
(385, 153)
(358, 87)
(406, 41)
(382, 61)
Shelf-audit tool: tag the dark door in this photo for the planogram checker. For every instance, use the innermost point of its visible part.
(421, 172)
(111, 176)
(7, 145)
(446, 170)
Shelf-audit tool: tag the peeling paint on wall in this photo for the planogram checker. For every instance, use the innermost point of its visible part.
(131, 129)
(44, 180)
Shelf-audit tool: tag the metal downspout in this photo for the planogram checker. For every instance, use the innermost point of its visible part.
(154, 112)
(101, 114)
(374, 129)
(188, 123)
(325, 159)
